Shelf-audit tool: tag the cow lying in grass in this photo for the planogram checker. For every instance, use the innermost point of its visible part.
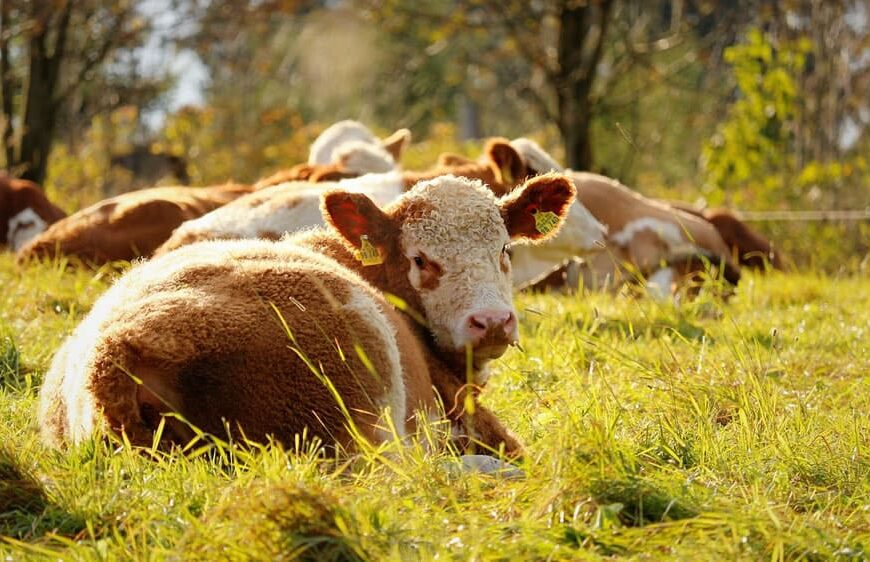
(129, 225)
(641, 237)
(750, 248)
(25, 211)
(346, 149)
(288, 207)
(248, 332)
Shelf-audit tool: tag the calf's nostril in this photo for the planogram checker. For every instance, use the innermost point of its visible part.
(476, 324)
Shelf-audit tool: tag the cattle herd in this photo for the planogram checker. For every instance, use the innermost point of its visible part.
(343, 296)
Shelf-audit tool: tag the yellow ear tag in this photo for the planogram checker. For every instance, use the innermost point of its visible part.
(368, 254)
(545, 221)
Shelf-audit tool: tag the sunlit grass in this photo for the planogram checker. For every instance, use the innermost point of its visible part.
(699, 431)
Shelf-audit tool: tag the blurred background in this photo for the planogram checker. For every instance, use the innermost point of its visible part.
(756, 104)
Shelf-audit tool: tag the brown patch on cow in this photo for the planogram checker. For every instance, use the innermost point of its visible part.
(331, 172)
(18, 195)
(504, 261)
(753, 249)
(299, 172)
(128, 226)
(451, 159)
(750, 248)
(430, 272)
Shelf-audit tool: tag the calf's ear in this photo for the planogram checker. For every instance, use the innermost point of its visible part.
(537, 210)
(353, 215)
(507, 164)
(397, 143)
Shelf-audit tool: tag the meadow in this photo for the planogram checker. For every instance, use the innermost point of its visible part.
(702, 430)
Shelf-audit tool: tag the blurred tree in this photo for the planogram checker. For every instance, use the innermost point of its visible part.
(59, 64)
(556, 59)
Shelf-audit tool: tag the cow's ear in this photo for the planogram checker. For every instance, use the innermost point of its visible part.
(537, 210)
(397, 143)
(449, 159)
(507, 164)
(354, 216)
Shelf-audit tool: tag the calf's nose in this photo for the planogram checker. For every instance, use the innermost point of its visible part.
(498, 323)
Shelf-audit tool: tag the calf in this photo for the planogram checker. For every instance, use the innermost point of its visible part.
(749, 248)
(637, 235)
(25, 211)
(288, 207)
(127, 226)
(345, 150)
(276, 338)
(326, 147)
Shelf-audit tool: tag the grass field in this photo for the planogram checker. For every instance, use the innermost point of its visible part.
(704, 431)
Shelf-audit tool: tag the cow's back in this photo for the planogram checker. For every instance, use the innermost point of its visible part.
(130, 225)
(626, 213)
(240, 331)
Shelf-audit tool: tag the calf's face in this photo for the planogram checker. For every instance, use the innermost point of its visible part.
(448, 238)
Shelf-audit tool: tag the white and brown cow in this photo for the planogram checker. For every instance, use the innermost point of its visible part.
(638, 235)
(244, 334)
(25, 211)
(346, 149)
(129, 225)
(273, 211)
(748, 247)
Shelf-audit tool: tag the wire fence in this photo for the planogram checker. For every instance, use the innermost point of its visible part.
(805, 216)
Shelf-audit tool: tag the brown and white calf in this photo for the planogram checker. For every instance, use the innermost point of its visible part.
(25, 211)
(129, 225)
(637, 235)
(246, 332)
(748, 247)
(273, 211)
(346, 149)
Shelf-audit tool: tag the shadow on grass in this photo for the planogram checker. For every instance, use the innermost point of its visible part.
(25, 511)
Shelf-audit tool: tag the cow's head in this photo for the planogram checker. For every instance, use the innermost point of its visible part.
(24, 212)
(443, 247)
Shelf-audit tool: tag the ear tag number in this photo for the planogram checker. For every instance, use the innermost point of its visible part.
(368, 254)
(545, 221)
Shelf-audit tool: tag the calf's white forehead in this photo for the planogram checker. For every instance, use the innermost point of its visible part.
(459, 217)
(17, 234)
(459, 226)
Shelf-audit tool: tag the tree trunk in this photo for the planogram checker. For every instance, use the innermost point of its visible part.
(40, 103)
(582, 31)
(6, 86)
(469, 119)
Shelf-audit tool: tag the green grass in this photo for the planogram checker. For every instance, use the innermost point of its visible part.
(700, 431)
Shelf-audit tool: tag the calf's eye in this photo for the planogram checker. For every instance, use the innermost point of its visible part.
(419, 262)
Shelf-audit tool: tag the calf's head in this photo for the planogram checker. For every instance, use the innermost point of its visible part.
(24, 212)
(442, 248)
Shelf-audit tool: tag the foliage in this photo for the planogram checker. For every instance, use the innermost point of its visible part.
(752, 160)
(754, 141)
(61, 63)
(81, 174)
(736, 429)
